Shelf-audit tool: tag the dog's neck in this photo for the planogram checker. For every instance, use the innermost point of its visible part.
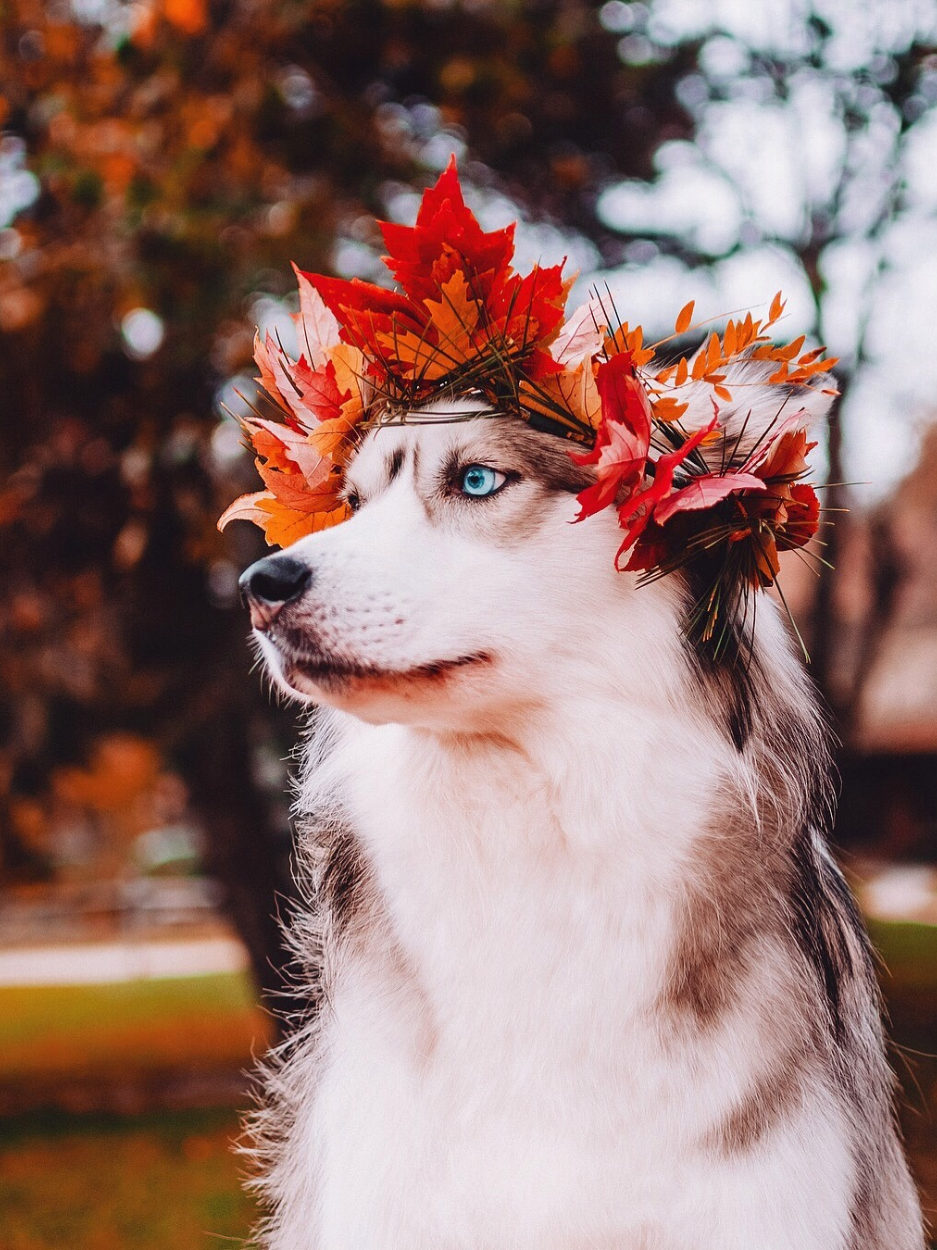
(492, 854)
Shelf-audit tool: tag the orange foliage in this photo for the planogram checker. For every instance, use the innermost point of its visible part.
(188, 16)
(122, 768)
(462, 319)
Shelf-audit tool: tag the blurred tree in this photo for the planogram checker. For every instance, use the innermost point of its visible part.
(160, 165)
(815, 128)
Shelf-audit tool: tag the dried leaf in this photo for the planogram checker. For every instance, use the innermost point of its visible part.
(729, 339)
(668, 409)
(704, 492)
(317, 327)
(684, 318)
(581, 336)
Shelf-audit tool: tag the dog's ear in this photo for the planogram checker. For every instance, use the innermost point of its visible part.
(755, 406)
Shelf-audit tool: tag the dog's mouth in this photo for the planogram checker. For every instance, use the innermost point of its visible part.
(311, 671)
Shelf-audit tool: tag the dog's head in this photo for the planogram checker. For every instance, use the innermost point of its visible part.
(460, 590)
(456, 587)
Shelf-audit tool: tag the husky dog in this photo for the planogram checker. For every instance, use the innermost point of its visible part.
(581, 971)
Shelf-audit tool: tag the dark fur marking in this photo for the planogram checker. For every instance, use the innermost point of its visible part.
(728, 682)
(829, 931)
(772, 1097)
(343, 877)
(824, 918)
(726, 678)
(717, 930)
(862, 1234)
(508, 444)
(885, 1212)
(546, 460)
(395, 464)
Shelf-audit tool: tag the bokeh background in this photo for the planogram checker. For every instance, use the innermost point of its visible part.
(161, 163)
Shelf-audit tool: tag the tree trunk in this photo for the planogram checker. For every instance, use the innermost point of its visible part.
(823, 622)
(245, 852)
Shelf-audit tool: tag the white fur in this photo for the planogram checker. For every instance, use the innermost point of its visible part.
(491, 1070)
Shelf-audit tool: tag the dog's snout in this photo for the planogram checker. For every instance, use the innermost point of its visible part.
(270, 584)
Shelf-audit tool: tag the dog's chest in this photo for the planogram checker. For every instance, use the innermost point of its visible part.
(498, 1092)
(493, 1040)
(497, 1067)
(506, 926)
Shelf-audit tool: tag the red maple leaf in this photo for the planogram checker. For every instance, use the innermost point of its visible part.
(772, 510)
(802, 520)
(624, 437)
(446, 237)
(423, 331)
(365, 310)
(635, 514)
(705, 491)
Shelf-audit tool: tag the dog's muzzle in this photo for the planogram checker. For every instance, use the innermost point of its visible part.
(270, 584)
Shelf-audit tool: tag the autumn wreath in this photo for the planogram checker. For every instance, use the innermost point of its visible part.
(460, 319)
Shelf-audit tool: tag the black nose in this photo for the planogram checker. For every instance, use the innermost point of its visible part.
(272, 583)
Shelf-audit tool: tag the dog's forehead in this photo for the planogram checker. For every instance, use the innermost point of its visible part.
(458, 431)
(429, 434)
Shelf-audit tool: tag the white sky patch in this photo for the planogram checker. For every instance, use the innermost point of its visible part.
(755, 145)
(760, 23)
(847, 268)
(883, 443)
(651, 295)
(536, 243)
(905, 313)
(921, 163)
(354, 259)
(750, 279)
(19, 186)
(859, 28)
(272, 316)
(893, 396)
(143, 333)
(690, 201)
(817, 142)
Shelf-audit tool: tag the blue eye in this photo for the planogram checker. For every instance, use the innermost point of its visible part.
(478, 481)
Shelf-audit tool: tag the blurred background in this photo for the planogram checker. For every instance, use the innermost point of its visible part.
(161, 163)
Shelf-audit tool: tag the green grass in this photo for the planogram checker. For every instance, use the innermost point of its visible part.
(908, 950)
(157, 1182)
(195, 1022)
(166, 1181)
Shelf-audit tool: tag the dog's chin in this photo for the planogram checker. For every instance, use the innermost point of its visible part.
(373, 692)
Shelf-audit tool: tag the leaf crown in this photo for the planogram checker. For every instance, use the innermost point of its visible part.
(460, 319)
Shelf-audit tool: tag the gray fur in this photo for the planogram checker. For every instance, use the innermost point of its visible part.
(771, 884)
